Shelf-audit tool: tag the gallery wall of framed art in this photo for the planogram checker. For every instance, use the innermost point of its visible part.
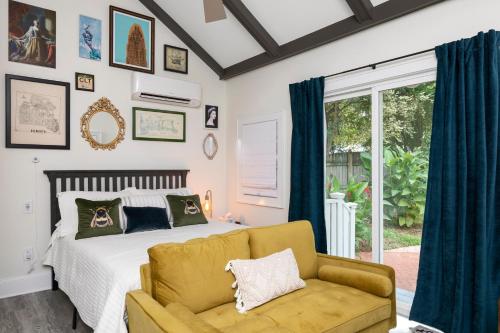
(73, 55)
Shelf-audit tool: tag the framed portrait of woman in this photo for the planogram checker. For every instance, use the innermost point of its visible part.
(211, 116)
(32, 35)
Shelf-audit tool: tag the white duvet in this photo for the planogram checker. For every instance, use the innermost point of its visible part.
(96, 273)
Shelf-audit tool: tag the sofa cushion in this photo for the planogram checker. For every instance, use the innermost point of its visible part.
(295, 235)
(193, 274)
(320, 307)
(260, 280)
(372, 283)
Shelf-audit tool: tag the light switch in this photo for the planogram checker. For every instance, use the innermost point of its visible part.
(28, 207)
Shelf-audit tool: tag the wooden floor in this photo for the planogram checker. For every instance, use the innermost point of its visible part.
(46, 311)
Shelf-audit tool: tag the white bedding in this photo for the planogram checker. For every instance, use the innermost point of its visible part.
(96, 273)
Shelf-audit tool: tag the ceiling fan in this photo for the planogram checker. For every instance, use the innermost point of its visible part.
(214, 10)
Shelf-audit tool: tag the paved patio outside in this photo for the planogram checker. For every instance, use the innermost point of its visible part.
(404, 261)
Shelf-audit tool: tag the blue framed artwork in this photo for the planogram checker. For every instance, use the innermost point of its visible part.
(131, 40)
(90, 38)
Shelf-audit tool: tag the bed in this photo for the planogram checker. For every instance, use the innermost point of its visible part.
(96, 273)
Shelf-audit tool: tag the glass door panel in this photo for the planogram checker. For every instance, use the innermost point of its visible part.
(407, 119)
(348, 170)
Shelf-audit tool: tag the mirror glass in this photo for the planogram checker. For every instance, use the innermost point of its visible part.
(103, 127)
(210, 146)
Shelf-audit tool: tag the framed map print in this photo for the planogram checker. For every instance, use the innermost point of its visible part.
(158, 125)
(131, 40)
(37, 113)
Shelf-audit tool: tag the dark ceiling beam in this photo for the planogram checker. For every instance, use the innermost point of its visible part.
(170, 23)
(382, 13)
(362, 9)
(253, 26)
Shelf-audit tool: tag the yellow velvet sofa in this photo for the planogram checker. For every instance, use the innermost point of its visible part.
(185, 288)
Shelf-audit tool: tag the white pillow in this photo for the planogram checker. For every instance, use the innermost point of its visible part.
(260, 280)
(162, 191)
(69, 210)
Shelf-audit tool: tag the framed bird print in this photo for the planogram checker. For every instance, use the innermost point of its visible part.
(131, 40)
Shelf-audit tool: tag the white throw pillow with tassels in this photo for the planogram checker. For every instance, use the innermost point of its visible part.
(260, 280)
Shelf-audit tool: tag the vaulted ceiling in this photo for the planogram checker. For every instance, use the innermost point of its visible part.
(260, 32)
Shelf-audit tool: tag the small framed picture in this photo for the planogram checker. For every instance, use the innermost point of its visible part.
(158, 125)
(90, 34)
(37, 113)
(131, 40)
(84, 82)
(175, 59)
(211, 116)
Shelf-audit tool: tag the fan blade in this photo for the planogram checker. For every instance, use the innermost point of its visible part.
(214, 10)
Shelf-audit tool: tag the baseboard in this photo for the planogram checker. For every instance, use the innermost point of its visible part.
(26, 284)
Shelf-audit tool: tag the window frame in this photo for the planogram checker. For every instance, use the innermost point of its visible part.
(415, 70)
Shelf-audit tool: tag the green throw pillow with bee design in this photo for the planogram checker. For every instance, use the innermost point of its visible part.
(98, 218)
(186, 210)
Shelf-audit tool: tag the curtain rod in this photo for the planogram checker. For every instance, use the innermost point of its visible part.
(374, 65)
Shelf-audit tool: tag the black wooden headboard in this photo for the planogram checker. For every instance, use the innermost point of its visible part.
(108, 180)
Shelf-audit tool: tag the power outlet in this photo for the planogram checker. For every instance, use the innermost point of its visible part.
(28, 207)
(28, 254)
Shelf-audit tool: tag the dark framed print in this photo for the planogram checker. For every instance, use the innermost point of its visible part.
(37, 113)
(85, 82)
(158, 125)
(32, 34)
(175, 59)
(131, 40)
(211, 116)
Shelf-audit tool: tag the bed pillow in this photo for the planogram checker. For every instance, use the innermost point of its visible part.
(260, 280)
(145, 219)
(143, 200)
(69, 210)
(160, 191)
(98, 218)
(186, 210)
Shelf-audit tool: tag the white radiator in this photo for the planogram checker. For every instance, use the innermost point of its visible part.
(340, 218)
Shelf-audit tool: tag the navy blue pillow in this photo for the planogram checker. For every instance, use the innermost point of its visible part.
(145, 218)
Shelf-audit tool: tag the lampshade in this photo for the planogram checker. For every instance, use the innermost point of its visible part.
(208, 205)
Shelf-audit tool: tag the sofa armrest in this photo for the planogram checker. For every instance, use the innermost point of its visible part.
(362, 266)
(145, 315)
(372, 283)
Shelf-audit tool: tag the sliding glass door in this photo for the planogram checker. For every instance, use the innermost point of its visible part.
(348, 144)
(377, 154)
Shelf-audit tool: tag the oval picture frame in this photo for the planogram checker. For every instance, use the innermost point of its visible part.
(210, 146)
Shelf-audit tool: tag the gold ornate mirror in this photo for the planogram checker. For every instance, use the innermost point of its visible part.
(102, 125)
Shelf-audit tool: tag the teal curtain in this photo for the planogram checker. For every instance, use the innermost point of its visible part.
(307, 191)
(458, 280)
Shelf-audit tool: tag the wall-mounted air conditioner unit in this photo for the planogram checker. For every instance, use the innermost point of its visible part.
(158, 89)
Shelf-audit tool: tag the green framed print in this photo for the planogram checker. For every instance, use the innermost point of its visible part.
(158, 125)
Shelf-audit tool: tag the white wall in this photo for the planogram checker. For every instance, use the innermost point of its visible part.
(266, 90)
(21, 180)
